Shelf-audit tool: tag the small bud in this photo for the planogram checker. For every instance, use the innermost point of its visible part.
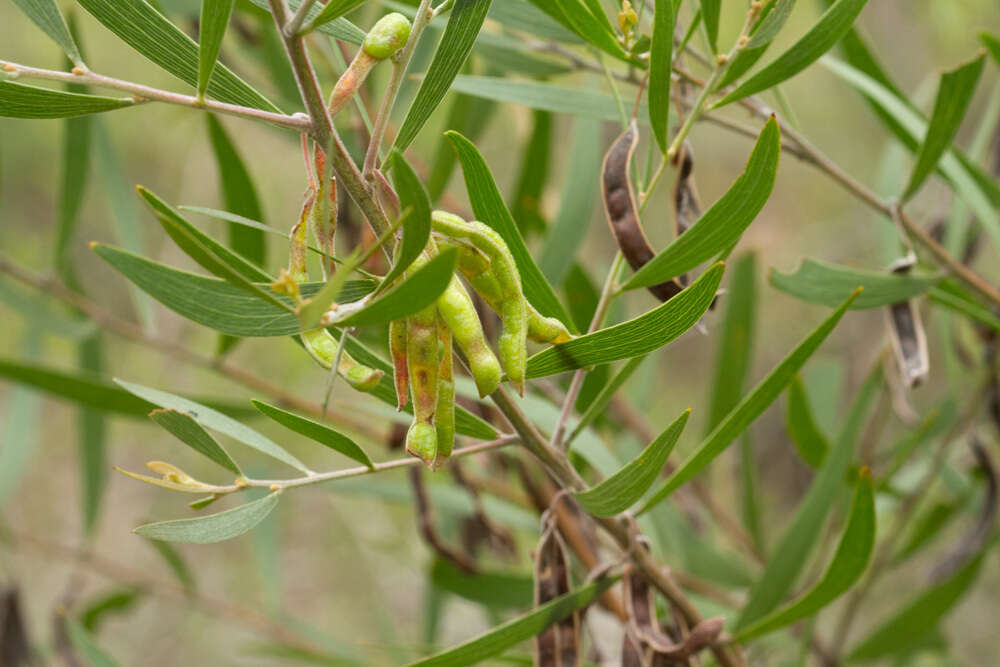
(274, 487)
(240, 482)
(627, 18)
(743, 40)
(387, 36)
(721, 59)
(138, 99)
(285, 284)
(9, 68)
(79, 71)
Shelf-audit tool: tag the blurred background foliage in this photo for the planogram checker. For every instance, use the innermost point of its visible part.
(340, 569)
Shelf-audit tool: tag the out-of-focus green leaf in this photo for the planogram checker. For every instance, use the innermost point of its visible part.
(827, 284)
(21, 426)
(414, 293)
(949, 298)
(992, 45)
(635, 337)
(45, 315)
(544, 96)
(510, 55)
(92, 428)
(334, 10)
(417, 227)
(46, 15)
(93, 392)
(315, 431)
(751, 407)
(918, 617)
(723, 224)
(524, 16)
(19, 100)
(152, 34)
(464, 22)
(525, 206)
(954, 94)
(178, 566)
(238, 193)
(806, 435)
(620, 491)
(710, 11)
(214, 527)
(660, 58)
(338, 28)
(957, 168)
(216, 421)
(576, 206)
(604, 396)
(821, 37)
(85, 645)
(789, 556)
(77, 137)
(215, 303)
(581, 296)
(489, 207)
(212, 25)
(925, 526)
(496, 590)
(849, 562)
(468, 115)
(203, 249)
(517, 630)
(115, 602)
(187, 430)
(736, 339)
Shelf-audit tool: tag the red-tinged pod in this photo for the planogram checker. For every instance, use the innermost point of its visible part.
(623, 213)
(400, 370)
(559, 644)
(422, 363)
(444, 413)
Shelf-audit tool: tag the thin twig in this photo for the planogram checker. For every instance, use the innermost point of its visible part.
(141, 93)
(292, 28)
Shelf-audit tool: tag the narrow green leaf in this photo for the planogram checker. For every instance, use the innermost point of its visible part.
(338, 28)
(45, 315)
(334, 10)
(495, 590)
(150, 33)
(635, 337)
(519, 629)
(526, 204)
(414, 293)
(736, 340)
(315, 431)
(91, 391)
(966, 306)
(576, 205)
(212, 25)
(178, 566)
(592, 26)
(85, 646)
(977, 190)
(772, 20)
(802, 427)
(468, 115)
(620, 491)
(214, 303)
(723, 224)
(710, 11)
(20, 425)
(827, 284)
(489, 207)
(544, 96)
(992, 45)
(46, 15)
(203, 249)
(114, 603)
(604, 396)
(187, 430)
(312, 310)
(238, 193)
(918, 617)
(790, 555)
(821, 37)
(509, 54)
(660, 69)
(214, 527)
(19, 100)
(214, 420)
(92, 427)
(417, 227)
(464, 22)
(751, 407)
(954, 94)
(849, 562)
(77, 137)
(526, 17)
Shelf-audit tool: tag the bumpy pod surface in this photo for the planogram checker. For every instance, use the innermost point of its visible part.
(422, 366)
(444, 413)
(458, 312)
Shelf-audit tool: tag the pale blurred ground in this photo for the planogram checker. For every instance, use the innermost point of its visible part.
(349, 566)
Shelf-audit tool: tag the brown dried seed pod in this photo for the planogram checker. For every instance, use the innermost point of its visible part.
(909, 343)
(622, 212)
(559, 645)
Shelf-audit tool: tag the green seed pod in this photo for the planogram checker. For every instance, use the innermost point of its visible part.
(422, 367)
(456, 309)
(400, 374)
(322, 347)
(512, 344)
(387, 36)
(444, 414)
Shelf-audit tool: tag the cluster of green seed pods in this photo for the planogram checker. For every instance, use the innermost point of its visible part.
(421, 346)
